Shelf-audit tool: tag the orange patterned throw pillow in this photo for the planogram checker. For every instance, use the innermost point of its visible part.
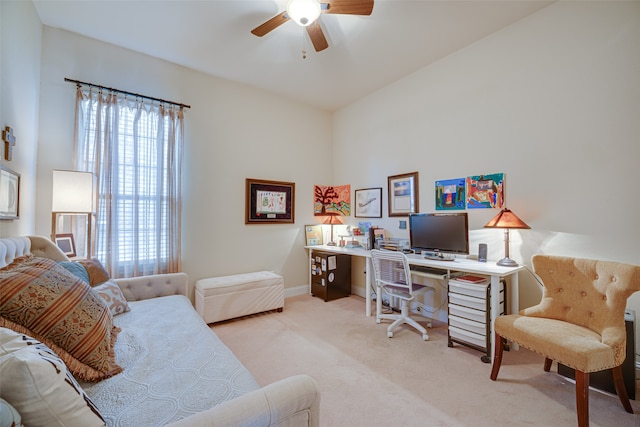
(97, 273)
(42, 299)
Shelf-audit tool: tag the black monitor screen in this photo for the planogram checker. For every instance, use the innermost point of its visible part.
(439, 233)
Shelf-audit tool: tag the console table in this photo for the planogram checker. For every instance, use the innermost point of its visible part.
(459, 265)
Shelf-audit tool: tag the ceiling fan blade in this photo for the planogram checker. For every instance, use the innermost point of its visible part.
(317, 37)
(271, 24)
(349, 7)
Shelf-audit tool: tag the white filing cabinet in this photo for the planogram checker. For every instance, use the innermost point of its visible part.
(470, 314)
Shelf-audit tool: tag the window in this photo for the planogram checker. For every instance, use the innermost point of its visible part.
(134, 148)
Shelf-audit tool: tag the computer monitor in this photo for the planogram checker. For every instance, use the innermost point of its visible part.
(439, 234)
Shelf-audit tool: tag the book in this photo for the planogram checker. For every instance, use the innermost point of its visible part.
(468, 278)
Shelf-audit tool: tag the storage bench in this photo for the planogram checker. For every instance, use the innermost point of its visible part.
(228, 297)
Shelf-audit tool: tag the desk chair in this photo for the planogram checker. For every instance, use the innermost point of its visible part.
(579, 322)
(393, 276)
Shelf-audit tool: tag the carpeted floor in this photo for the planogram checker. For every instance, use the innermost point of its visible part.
(367, 379)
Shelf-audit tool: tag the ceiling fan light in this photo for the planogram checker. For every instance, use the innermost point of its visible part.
(304, 12)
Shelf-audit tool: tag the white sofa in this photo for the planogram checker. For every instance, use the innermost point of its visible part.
(177, 372)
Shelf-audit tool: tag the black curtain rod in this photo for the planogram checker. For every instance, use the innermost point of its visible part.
(126, 93)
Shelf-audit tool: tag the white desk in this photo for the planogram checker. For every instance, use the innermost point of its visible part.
(458, 265)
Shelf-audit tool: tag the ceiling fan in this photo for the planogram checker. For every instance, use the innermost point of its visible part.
(307, 12)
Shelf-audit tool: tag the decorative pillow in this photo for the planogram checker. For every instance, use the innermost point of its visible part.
(97, 273)
(77, 269)
(39, 385)
(9, 417)
(111, 293)
(42, 299)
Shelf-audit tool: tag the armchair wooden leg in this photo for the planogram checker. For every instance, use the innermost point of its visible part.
(547, 364)
(582, 398)
(621, 390)
(497, 357)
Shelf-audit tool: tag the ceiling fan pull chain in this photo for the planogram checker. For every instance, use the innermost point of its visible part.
(304, 44)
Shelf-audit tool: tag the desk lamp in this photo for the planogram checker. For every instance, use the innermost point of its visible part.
(506, 219)
(332, 219)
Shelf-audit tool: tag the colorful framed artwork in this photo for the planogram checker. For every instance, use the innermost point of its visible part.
(269, 202)
(450, 194)
(66, 244)
(368, 203)
(331, 200)
(403, 194)
(313, 235)
(485, 191)
(9, 194)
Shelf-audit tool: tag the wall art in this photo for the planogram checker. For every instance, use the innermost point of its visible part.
(485, 191)
(368, 203)
(9, 194)
(450, 194)
(403, 194)
(269, 202)
(332, 200)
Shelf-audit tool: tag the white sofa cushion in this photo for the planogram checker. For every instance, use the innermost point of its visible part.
(174, 366)
(39, 385)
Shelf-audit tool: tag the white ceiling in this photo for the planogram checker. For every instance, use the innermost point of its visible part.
(365, 52)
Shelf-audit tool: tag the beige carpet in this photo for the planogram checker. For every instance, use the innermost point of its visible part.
(367, 379)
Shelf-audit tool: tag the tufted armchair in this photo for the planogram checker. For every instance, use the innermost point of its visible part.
(579, 322)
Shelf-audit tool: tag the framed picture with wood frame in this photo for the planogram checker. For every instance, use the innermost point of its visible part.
(9, 194)
(66, 243)
(403, 194)
(269, 202)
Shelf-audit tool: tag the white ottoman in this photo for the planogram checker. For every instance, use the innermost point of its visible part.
(227, 297)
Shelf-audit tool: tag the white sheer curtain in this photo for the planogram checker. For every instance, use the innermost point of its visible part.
(134, 147)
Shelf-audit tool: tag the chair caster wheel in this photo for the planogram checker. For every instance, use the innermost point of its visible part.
(429, 325)
(425, 337)
(485, 359)
(389, 334)
(378, 321)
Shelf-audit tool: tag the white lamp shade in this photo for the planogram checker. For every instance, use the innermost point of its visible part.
(304, 12)
(73, 192)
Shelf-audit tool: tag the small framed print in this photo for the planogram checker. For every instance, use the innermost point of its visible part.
(403, 194)
(9, 194)
(269, 202)
(368, 203)
(66, 243)
(313, 235)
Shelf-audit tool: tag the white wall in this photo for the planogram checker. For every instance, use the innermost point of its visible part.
(552, 101)
(232, 132)
(19, 94)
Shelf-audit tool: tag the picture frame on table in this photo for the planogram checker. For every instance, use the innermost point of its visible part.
(313, 235)
(403, 194)
(368, 203)
(9, 194)
(67, 244)
(269, 202)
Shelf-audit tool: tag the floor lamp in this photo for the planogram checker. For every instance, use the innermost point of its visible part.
(506, 219)
(74, 193)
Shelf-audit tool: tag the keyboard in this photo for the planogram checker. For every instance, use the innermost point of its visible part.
(428, 270)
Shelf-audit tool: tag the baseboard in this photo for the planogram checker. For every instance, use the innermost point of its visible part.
(361, 292)
(295, 291)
